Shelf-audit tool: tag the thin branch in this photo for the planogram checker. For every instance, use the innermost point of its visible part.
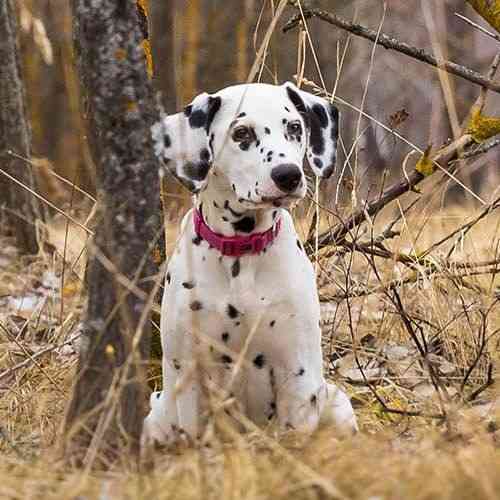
(409, 183)
(478, 27)
(392, 43)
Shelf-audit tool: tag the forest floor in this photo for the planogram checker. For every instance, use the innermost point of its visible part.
(422, 436)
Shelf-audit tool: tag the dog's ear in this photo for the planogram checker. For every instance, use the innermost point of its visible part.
(322, 122)
(182, 141)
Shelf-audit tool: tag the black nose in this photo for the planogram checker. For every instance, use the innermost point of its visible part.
(286, 177)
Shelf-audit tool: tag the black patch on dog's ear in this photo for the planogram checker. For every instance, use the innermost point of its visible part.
(316, 141)
(297, 101)
(320, 112)
(197, 118)
(205, 154)
(214, 104)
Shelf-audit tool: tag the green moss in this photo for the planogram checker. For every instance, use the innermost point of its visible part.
(425, 165)
(482, 127)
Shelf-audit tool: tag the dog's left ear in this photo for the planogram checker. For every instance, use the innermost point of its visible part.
(182, 141)
(322, 122)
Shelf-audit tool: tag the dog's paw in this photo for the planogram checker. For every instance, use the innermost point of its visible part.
(339, 412)
(154, 430)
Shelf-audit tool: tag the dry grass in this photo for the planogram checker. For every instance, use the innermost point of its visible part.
(395, 456)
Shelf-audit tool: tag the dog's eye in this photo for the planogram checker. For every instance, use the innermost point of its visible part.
(294, 128)
(242, 134)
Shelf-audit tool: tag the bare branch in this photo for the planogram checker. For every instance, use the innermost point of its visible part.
(392, 43)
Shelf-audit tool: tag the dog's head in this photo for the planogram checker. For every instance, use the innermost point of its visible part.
(256, 136)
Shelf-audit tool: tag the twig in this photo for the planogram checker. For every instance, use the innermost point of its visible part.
(34, 356)
(478, 27)
(410, 181)
(392, 43)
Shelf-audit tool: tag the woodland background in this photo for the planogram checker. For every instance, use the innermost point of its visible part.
(410, 293)
(204, 45)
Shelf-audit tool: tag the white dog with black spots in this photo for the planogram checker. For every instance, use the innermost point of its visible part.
(242, 317)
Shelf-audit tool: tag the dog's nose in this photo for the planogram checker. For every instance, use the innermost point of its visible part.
(287, 176)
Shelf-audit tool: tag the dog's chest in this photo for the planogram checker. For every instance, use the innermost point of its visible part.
(238, 295)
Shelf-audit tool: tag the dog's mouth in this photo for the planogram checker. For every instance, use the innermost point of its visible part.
(281, 201)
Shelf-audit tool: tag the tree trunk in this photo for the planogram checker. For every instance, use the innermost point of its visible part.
(104, 419)
(21, 207)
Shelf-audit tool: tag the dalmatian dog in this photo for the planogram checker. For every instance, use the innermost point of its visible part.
(240, 311)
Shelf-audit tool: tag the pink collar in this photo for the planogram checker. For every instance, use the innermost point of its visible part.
(235, 246)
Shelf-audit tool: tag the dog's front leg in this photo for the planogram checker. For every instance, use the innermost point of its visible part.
(298, 396)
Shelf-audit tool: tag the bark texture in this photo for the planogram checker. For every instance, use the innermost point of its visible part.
(21, 208)
(105, 415)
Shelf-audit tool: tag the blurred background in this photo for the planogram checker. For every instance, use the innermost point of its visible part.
(204, 45)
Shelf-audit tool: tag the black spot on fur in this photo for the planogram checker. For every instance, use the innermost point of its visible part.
(176, 364)
(225, 337)
(297, 100)
(237, 323)
(320, 112)
(215, 205)
(189, 285)
(318, 163)
(196, 305)
(314, 400)
(214, 104)
(299, 244)
(226, 359)
(267, 130)
(166, 141)
(197, 118)
(234, 187)
(205, 154)
(282, 155)
(301, 372)
(232, 312)
(284, 121)
(241, 115)
(287, 109)
(245, 225)
(244, 146)
(158, 395)
(273, 322)
(261, 150)
(257, 144)
(235, 268)
(316, 139)
(168, 278)
(259, 361)
(196, 240)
